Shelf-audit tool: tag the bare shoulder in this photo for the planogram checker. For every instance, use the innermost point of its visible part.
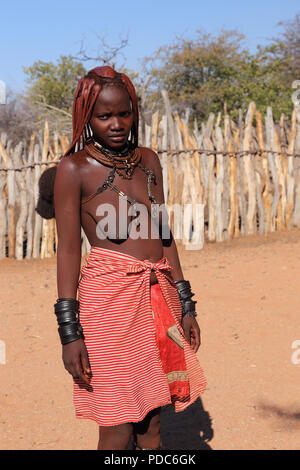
(73, 162)
(68, 181)
(74, 169)
(150, 158)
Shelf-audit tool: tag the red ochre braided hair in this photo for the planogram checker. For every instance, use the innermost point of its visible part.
(86, 96)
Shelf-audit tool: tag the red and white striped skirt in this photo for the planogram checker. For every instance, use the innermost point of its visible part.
(136, 365)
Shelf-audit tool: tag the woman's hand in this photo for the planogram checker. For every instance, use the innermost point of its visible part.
(76, 361)
(191, 332)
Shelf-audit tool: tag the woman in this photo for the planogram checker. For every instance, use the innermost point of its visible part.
(130, 339)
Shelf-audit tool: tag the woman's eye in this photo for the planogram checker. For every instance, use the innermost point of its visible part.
(103, 116)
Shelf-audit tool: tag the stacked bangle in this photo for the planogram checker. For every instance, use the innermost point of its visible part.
(185, 295)
(67, 314)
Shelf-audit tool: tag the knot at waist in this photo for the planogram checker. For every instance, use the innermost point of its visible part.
(140, 266)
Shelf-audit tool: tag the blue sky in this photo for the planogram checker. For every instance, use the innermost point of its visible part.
(33, 30)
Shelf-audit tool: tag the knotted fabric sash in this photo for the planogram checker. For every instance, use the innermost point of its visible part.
(140, 266)
(168, 332)
(123, 316)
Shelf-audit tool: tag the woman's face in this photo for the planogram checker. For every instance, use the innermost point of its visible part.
(112, 117)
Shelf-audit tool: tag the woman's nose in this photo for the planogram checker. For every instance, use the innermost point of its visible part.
(116, 123)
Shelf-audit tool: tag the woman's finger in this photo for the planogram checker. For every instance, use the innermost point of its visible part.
(197, 341)
(85, 364)
(79, 373)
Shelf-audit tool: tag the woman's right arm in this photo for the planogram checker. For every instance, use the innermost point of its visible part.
(67, 193)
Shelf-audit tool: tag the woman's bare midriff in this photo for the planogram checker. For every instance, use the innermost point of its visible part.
(93, 211)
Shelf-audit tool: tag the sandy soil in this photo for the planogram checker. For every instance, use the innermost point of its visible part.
(248, 304)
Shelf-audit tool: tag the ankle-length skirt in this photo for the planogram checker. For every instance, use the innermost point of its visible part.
(138, 354)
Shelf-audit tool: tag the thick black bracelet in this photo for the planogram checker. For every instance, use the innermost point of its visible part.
(63, 305)
(67, 314)
(185, 295)
(70, 332)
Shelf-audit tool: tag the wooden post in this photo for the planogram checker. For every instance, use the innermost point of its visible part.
(182, 224)
(281, 183)
(64, 142)
(204, 158)
(211, 191)
(271, 161)
(30, 191)
(21, 222)
(219, 186)
(171, 127)
(226, 196)
(191, 176)
(290, 175)
(259, 175)
(11, 198)
(148, 132)
(45, 223)
(265, 180)
(154, 131)
(167, 176)
(11, 186)
(3, 196)
(233, 224)
(3, 221)
(197, 241)
(202, 139)
(240, 173)
(173, 161)
(179, 160)
(249, 171)
(37, 219)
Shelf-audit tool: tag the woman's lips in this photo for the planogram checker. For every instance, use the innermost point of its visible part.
(117, 138)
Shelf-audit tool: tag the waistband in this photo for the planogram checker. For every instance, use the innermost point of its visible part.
(96, 250)
(102, 261)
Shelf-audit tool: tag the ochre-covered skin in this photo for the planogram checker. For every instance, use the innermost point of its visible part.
(79, 176)
(113, 118)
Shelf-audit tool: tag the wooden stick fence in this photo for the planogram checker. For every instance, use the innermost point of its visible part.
(234, 179)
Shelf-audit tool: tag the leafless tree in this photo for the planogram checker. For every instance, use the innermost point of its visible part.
(288, 43)
(106, 54)
(18, 119)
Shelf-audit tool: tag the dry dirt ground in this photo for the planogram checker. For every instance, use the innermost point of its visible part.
(248, 308)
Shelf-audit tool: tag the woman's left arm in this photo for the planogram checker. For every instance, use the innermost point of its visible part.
(189, 324)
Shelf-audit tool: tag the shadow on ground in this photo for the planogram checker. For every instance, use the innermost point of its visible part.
(289, 417)
(190, 429)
